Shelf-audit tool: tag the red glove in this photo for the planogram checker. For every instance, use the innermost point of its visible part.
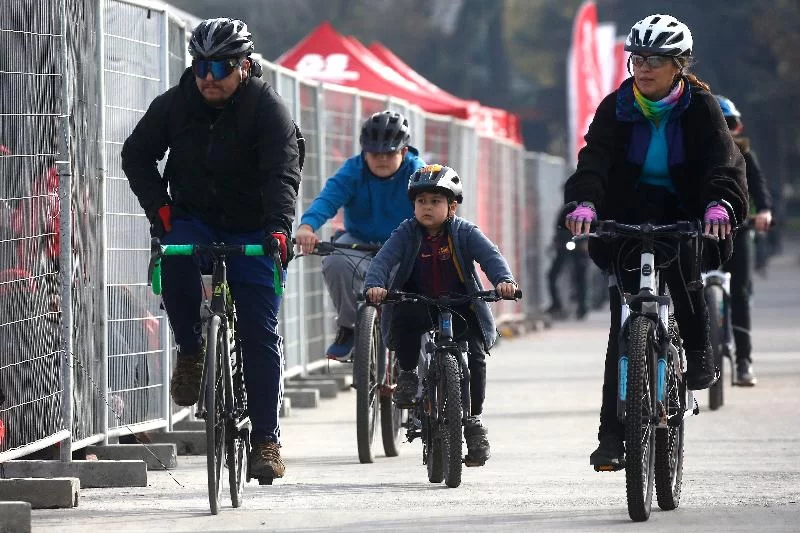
(161, 223)
(281, 240)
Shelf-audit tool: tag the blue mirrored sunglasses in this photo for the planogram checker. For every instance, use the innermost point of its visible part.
(219, 68)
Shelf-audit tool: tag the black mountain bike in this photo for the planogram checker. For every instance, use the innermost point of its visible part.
(223, 402)
(653, 399)
(374, 370)
(439, 415)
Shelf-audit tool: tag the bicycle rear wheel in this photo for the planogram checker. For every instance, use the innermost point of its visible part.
(450, 418)
(715, 302)
(669, 440)
(215, 408)
(392, 417)
(639, 430)
(365, 377)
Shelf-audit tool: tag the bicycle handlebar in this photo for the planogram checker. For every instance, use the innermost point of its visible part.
(327, 248)
(393, 297)
(158, 250)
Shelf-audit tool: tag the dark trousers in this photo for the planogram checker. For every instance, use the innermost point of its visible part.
(740, 268)
(257, 308)
(410, 321)
(580, 262)
(690, 313)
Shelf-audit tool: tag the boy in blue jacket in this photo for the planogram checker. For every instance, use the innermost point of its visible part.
(434, 254)
(371, 187)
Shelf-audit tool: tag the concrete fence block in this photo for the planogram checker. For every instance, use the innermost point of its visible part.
(93, 474)
(15, 517)
(190, 424)
(328, 388)
(186, 442)
(302, 398)
(159, 456)
(52, 493)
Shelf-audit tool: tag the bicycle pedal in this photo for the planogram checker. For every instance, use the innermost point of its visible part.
(609, 468)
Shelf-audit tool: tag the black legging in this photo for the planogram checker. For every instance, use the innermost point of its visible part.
(411, 320)
(740, 268)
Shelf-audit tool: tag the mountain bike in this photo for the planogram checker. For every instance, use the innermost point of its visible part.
(374, 369)
(223, 402)
(653, 399)
(717, 292)
(444, 400)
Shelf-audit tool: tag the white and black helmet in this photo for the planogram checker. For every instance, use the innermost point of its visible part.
(660, 34)
(385, 132)
(436, 178)
(220, 38)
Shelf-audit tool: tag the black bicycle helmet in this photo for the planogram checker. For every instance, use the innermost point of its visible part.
(220, 38)
(383, 132)
(436, 178)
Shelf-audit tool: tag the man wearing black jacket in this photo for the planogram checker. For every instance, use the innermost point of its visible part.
(740, 264)
(232, 176)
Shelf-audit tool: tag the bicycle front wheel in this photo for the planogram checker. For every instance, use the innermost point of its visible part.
(392, 417)
(669, 440)
(365, 377)
(450, 418)
(716, 318)
(639, 412)
(237, 434)
(215, 409)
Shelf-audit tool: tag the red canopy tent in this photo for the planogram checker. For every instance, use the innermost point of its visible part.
(490, 121)
(327, 56)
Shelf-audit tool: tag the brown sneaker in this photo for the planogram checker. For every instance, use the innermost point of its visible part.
(185, 383)
(265, 460)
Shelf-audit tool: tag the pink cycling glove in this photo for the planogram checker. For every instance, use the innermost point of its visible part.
(583, 213)
(716, 214)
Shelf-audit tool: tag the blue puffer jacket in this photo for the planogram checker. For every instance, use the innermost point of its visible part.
(469, 245)
(373, 206)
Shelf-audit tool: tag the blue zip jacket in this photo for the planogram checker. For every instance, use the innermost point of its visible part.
(373, 206)
(469, 245)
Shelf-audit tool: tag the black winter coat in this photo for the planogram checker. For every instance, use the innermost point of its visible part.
(756, 182)
(237, 168)
(704, 163)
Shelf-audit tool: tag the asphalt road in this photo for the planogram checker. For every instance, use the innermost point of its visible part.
(741, 471)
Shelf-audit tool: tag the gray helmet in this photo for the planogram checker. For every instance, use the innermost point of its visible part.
(660, 34)
(220, 38)
(383, 132)
(436, 178)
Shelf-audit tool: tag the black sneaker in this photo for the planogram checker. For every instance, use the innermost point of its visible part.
(405, 394)
(701, 372)
(744, 374)
(478, 449)
(609, 455)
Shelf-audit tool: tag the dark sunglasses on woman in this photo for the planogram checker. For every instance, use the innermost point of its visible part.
(219, 68)
(653, 62)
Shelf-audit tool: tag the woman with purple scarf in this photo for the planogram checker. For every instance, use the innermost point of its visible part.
(658, 151)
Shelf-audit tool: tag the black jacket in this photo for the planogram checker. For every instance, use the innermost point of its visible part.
(704, 163)
(756, 182)
(237, 168)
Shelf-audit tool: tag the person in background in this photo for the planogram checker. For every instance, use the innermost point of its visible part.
(740, 265)
(574, 255)
(371, 187)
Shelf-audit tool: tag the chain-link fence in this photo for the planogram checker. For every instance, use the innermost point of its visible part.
(119, 55)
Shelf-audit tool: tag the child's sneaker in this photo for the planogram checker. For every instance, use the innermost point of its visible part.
(478, 450)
